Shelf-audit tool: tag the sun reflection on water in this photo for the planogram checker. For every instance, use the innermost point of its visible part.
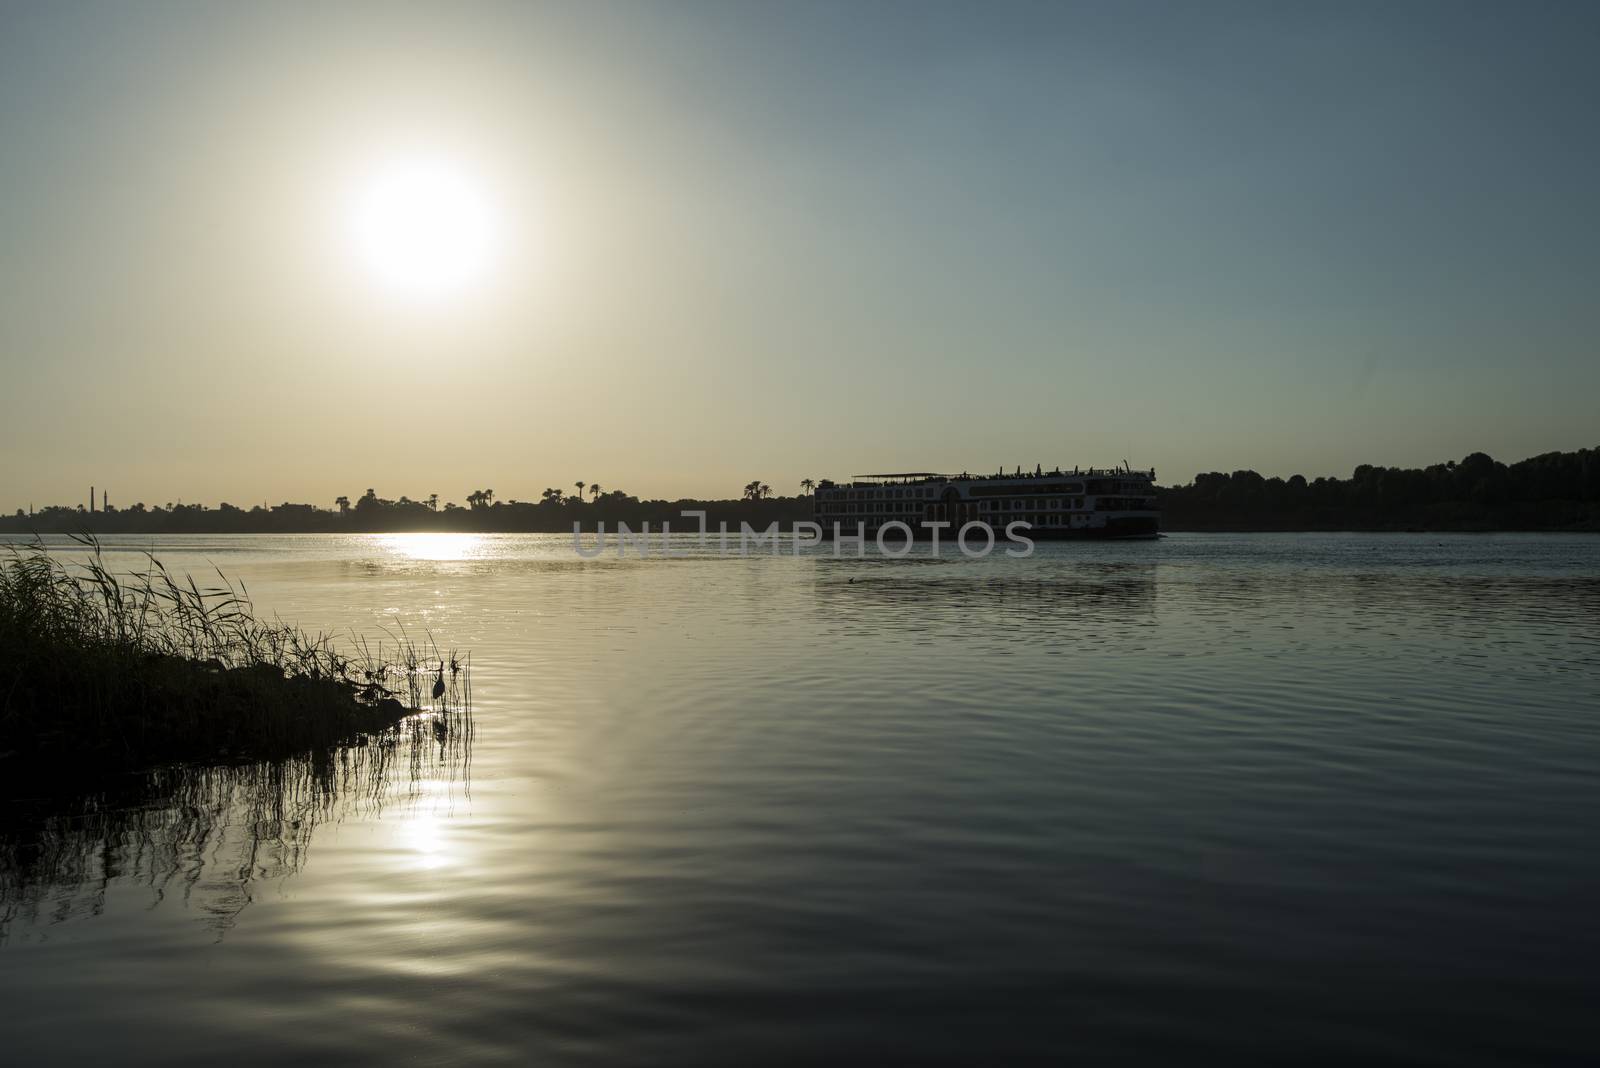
(423, 834)
(434, 546)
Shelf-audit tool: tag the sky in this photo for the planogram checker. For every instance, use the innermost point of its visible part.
(716, 242)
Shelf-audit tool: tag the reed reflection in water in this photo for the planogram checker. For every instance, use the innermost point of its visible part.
(209, 835)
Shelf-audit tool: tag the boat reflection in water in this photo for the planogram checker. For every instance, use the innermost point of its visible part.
(1087, 604)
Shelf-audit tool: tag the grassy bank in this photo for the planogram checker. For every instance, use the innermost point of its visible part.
(125, 672)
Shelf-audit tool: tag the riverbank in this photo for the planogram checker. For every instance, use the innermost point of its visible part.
(114, 673)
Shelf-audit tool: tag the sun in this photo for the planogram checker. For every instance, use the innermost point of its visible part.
(424, 227)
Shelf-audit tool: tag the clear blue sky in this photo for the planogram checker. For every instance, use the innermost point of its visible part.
(743, 241)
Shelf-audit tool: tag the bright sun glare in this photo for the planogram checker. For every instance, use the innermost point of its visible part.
(425, 228)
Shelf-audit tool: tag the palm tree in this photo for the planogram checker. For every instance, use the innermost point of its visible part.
(343, 504)
(580, 484)
(433, 502)
(594, 490)
(808, 484)
(550, 496)
(752, 490)
(765, 491)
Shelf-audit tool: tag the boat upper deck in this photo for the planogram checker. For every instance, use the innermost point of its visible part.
(1020, 479)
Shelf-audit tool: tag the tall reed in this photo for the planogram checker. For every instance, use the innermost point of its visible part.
(148, 668)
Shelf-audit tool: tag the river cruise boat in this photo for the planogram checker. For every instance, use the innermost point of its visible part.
(1089, 503)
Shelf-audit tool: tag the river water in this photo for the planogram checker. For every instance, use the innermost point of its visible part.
(1242, 798)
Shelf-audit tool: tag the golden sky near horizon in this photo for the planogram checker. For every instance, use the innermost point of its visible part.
(286, 252)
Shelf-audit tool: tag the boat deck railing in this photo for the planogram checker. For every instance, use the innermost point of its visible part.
(926, 478)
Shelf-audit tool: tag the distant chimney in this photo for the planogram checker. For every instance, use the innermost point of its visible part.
(103, 501)
(91, 498)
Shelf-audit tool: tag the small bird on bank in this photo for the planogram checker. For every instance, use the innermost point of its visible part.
(438, 683)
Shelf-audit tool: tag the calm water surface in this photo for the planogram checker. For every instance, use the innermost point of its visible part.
(1246, 798)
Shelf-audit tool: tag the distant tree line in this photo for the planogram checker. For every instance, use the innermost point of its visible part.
(1555, 491)
(554, 511)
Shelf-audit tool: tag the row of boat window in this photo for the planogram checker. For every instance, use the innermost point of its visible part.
(1038, 519)
(891, 494)
(1054, 502)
